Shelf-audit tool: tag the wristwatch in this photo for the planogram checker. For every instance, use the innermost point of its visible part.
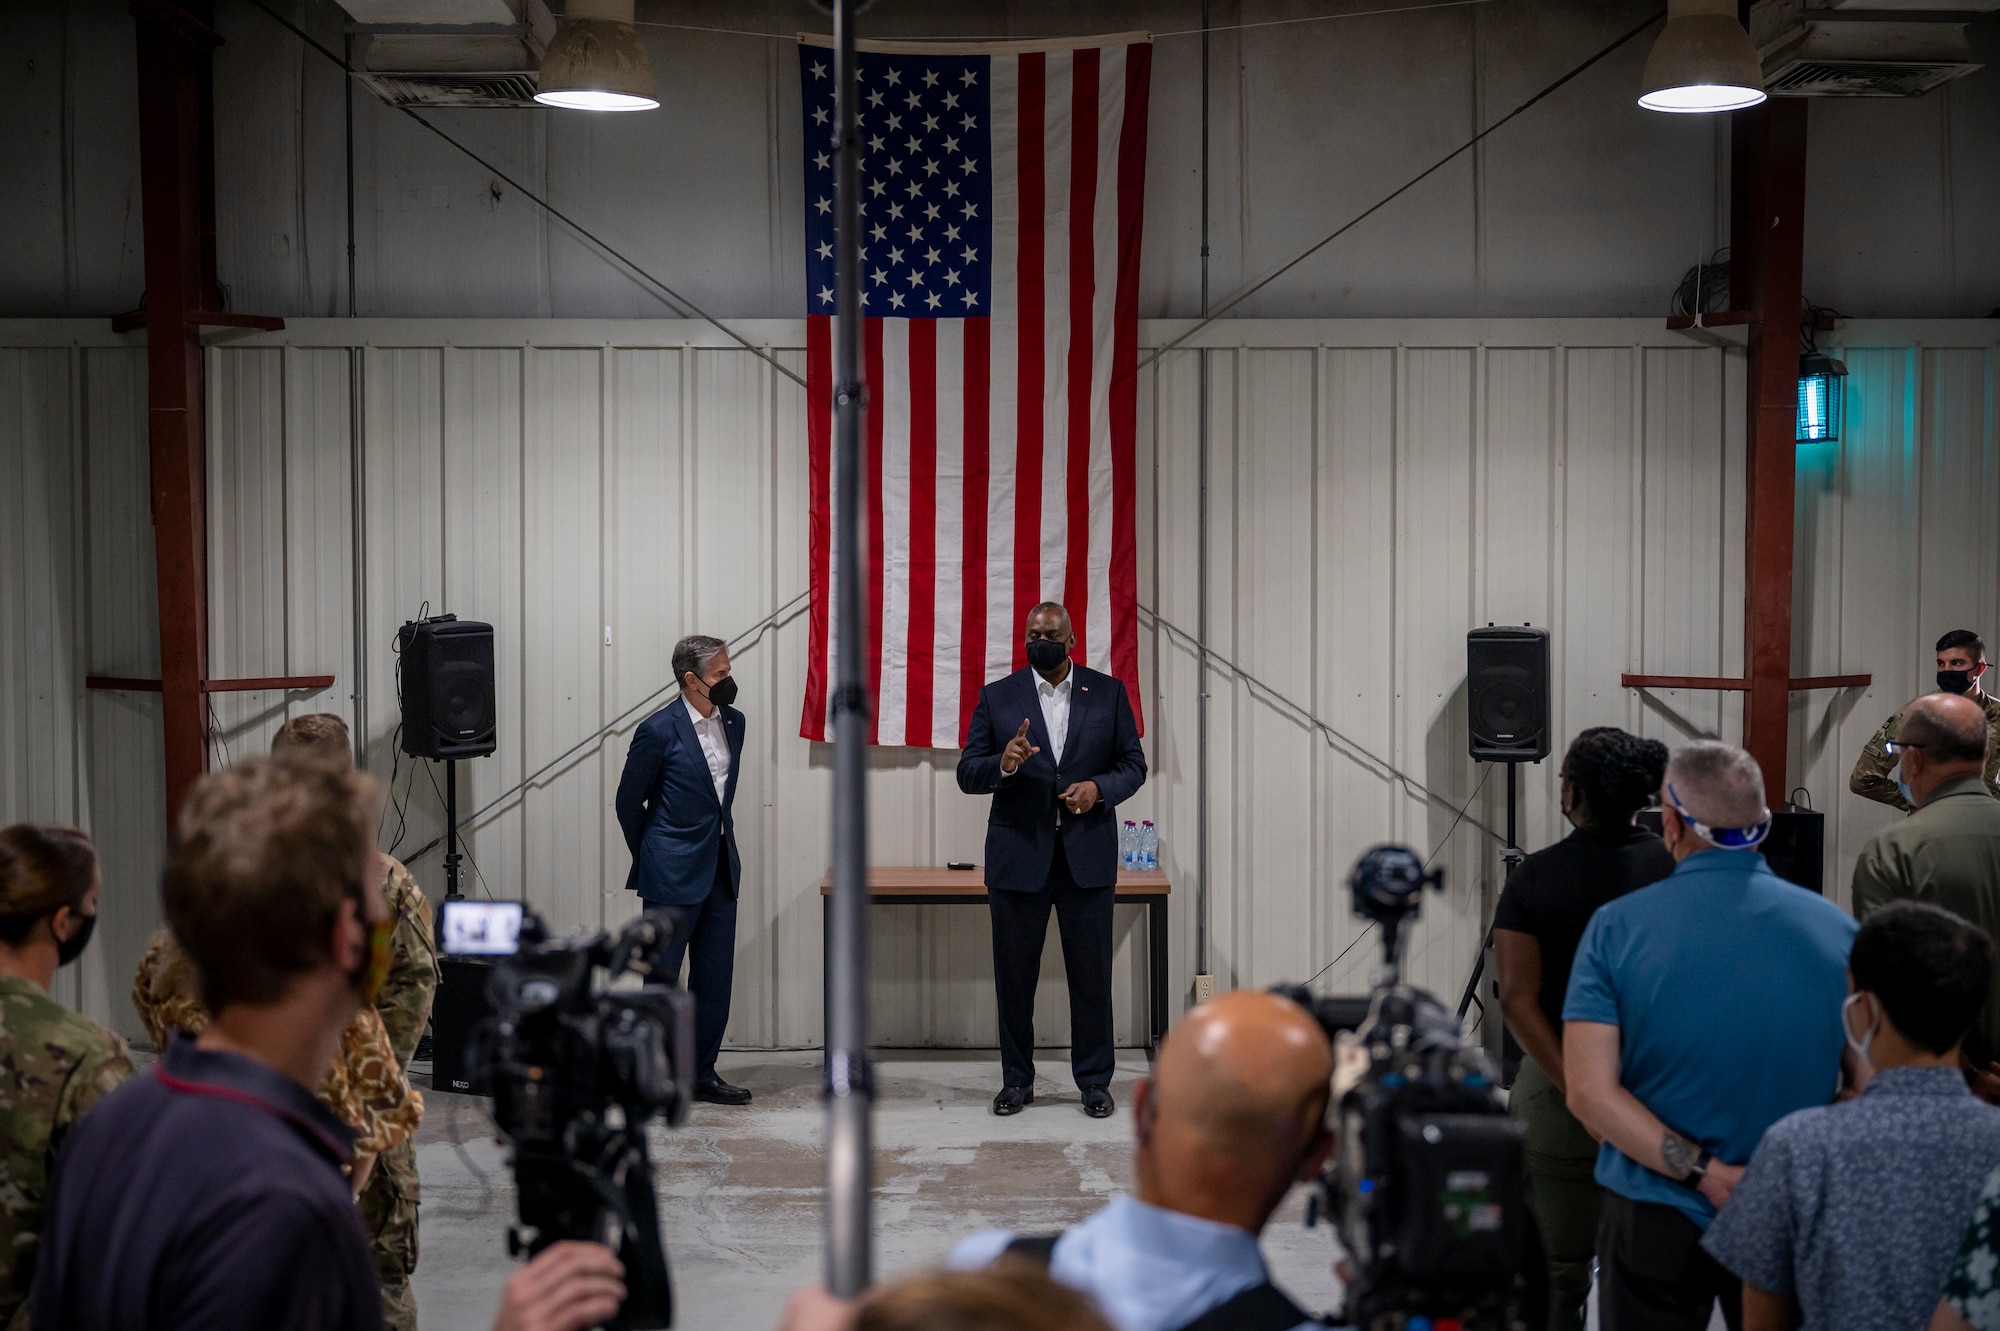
(1699, 1170)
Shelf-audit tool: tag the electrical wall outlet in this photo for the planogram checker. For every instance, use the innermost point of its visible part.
(1204, 988)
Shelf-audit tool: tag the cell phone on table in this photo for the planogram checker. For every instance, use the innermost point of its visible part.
(480, 928)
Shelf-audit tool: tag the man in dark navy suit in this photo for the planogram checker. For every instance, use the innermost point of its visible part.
(1057, 747)
(674, 804)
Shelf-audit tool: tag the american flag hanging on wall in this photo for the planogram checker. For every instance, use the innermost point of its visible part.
(1001, 191)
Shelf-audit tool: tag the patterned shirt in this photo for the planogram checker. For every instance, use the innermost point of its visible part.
(1856, 1210)
(365, 1088)
(1974, 1286)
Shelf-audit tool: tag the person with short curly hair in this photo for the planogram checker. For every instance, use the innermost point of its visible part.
(1607, 777)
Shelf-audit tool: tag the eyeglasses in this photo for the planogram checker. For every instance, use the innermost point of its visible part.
(1896, 746)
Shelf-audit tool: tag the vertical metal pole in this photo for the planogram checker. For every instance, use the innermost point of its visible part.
(1512, 843)
(1201, 565)
(849, 1086)
(451, 855)
(357, 517)
(1767, 244)
(173, 45)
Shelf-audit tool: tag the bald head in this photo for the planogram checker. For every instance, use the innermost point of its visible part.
(1236, 1102)
(1951, 727)
(1941, 737)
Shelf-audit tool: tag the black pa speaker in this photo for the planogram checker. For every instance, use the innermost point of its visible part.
(461, 1005)
(445, 676)
(1507, 691)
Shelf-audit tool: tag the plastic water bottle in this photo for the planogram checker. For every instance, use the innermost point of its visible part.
(1128, 845)
(1149, 845)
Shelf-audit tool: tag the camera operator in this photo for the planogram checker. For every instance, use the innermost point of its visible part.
(1232, 1116)
(211, 1192)
(1607, 777)
(1701, 1010)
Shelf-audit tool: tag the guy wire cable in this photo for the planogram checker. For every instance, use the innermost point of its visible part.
(1394, 194)
(471, 821)
(680, 303)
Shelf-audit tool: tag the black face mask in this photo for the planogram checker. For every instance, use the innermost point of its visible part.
(69, 949)
(723, 692)
(1046, 655)
(1954, 681)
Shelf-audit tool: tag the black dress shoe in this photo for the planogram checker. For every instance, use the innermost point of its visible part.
(720, 1092)
(1097, 1102)
(1012, 1100)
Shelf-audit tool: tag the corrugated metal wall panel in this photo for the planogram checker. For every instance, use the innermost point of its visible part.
(1375, 490)
(125, 791)
(1899, 542)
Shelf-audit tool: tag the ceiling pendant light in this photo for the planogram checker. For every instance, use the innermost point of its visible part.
(1703, 62)
(597, 62)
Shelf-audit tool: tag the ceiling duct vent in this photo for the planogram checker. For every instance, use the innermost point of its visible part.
(505, 88)
(1861, 78)
(1889, 48)
(450, 52)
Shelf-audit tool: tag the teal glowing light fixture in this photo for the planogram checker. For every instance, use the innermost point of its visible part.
(1821, 379)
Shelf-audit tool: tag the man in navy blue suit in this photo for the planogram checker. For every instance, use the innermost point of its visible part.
(1058, 749)
(674, 804)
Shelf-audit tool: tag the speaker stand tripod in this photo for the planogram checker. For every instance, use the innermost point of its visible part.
(1510, 855)
(452, 857)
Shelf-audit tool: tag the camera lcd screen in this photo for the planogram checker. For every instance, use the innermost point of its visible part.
(480, 928)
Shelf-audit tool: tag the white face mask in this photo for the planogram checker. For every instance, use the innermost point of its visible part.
(1859, 1046)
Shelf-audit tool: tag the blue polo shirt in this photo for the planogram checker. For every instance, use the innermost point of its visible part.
(207, 1193)
(1725, 984)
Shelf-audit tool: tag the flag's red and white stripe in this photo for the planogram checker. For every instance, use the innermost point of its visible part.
(1000, 454)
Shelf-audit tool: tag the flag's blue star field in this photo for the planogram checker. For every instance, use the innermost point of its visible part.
(926, 184)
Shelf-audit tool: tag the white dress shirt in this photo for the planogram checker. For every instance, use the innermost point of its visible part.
(1055, 711)
(714, 747)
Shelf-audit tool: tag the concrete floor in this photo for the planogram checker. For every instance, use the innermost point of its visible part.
(740, 1189)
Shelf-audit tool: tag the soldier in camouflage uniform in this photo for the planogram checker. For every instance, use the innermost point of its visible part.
(54, 1064)
(390, 1198)
(1961, 662)
(389, 1203)
(365, 1087)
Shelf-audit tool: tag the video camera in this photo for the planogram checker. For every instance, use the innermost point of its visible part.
(578, 1069)
(1428, 1186)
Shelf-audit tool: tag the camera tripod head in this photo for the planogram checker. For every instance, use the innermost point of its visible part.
(1388, 886)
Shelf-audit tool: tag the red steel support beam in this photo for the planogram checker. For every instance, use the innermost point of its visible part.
(176, 186)
(1767, 243)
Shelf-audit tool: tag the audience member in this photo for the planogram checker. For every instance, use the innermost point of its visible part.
(211, 1192)
(1850, 1214)
(1701, 1010)
(58, 1063)
(1232, 1116)
(1607, 777)
(1948, 851)
(390, 1199)
(1961, 667)
(1972, 1289)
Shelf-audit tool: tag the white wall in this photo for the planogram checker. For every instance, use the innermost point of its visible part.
(1586, 205)
(1377, 487)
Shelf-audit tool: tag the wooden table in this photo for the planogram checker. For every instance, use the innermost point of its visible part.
(935, 885)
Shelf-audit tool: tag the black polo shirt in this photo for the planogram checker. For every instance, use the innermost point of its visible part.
(207, 1193)
(1553, 893)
